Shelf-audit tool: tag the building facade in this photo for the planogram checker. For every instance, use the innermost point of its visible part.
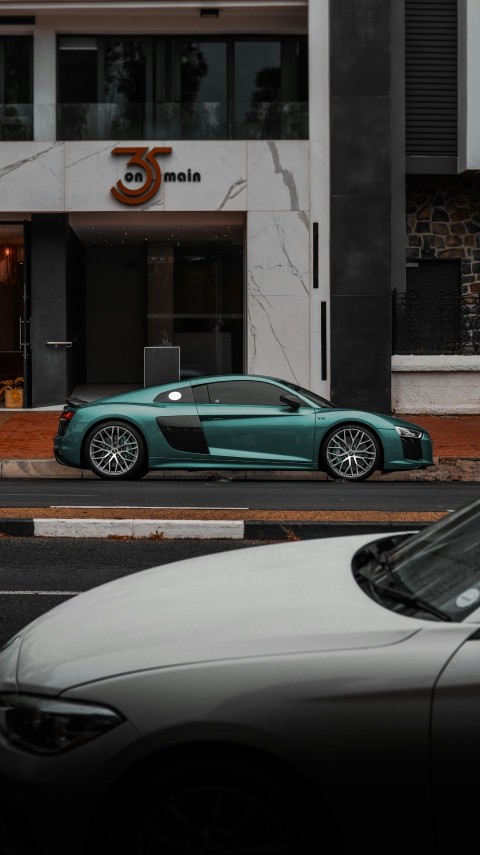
(248, 180)
(156, 187)
(436, 320)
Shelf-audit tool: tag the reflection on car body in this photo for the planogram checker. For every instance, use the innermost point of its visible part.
(234, 422)
(280, 699)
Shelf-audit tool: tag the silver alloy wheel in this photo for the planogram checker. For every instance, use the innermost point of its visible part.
(113, 450)
(212, 818)
(202, 803)
(351, 453)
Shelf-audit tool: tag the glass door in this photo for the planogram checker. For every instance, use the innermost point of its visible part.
(14, 314)
(195, 302)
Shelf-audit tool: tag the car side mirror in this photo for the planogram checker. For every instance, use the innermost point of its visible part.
(291, 401)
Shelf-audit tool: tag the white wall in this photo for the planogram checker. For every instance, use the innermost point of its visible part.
(436, 384)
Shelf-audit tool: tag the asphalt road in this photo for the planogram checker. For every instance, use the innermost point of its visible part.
(222, 493)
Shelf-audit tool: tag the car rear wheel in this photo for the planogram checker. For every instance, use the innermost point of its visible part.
(212, 805)
(350, 452)
(116, 451)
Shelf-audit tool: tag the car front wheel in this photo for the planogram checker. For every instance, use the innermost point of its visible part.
(213, 806)
(116, 451)
(350, 453)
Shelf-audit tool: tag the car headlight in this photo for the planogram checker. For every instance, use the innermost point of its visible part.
(50, 726)
(403, 431)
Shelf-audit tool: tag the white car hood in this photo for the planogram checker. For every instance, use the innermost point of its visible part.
(263, 601)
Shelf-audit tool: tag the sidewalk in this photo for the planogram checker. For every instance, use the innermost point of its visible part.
(26, 441)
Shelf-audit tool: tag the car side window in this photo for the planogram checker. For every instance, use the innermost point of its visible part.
(182, 395)
(200, 394)
(246, 392)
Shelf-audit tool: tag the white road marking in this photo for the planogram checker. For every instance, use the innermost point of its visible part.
(152, 507)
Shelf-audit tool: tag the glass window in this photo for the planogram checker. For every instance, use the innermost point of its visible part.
(16, 111)
(195, 302)
(246, 392)
(169, 87)
(317, 399)
(203, 89)
(77, 88)
(101, 88)
(201, 394)
(440, 566)
(257, 89)
(182, 395)
(124, 88)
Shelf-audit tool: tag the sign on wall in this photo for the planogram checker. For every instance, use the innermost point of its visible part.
(143, 169)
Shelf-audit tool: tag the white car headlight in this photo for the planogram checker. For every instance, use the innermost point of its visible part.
(403, 431)
(51, 726)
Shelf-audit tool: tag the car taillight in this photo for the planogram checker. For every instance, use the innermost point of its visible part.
(65, 419)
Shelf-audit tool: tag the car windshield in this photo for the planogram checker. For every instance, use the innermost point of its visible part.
(439, 567)
(312, 396)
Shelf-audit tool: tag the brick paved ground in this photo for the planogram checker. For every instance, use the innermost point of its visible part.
(453, 436)
(28, 435)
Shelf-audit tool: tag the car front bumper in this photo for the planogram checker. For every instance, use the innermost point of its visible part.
(406, 453)
(52, 803)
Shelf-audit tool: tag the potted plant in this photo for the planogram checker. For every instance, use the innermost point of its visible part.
(12, 391)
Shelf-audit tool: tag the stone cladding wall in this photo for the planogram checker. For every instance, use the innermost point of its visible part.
(443, 221)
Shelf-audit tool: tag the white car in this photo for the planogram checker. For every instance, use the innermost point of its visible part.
(308, 697)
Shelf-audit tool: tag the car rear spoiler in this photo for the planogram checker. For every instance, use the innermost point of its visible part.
(76, 402)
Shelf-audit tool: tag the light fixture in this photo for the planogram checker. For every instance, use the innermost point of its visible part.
(8, 264)
(209, 13)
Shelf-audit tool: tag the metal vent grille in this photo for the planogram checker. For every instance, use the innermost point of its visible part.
(431, 100)
(412, 448)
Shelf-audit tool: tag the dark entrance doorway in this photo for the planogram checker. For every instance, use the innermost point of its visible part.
(115, 315)
(158, 280)
(195, 302)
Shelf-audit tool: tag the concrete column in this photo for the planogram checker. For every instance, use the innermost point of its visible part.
(361, 188)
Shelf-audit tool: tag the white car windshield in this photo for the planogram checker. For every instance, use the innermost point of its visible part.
(439, 568)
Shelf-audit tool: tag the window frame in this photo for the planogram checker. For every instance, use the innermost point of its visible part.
(163, 78)
(242, 382)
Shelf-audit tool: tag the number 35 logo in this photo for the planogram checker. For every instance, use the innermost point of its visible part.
(149, 178)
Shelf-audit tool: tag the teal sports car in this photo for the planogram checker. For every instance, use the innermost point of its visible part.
(233, 422)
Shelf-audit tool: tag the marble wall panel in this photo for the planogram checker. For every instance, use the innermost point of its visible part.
(91, 171)
(223, 176)
(32, 176)
(278, 299)
(278, 251)
(278, 176)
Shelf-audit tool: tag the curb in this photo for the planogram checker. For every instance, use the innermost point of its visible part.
(135, 529)
(445, 469)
